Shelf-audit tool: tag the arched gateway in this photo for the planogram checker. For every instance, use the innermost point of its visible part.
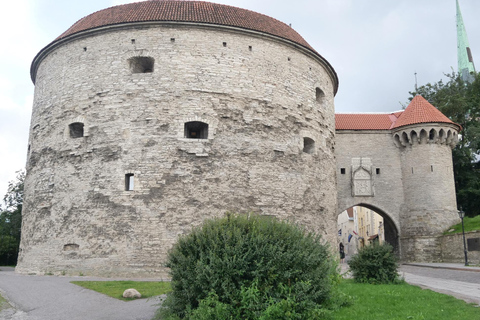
(152, 116)
(400, 165)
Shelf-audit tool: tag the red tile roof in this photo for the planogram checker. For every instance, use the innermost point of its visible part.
(186, 11)
(364, 121)
(418, 111)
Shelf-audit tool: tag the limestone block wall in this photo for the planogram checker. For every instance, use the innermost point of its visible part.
(452, 248)
(386, 175)
(260, 100)
(429, 187)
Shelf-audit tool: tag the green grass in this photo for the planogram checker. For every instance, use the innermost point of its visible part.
(400, 302)
(4, 304)
(471, 224)
(115, 289)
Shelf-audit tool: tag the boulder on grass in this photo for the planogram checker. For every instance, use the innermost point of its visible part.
(131, 293)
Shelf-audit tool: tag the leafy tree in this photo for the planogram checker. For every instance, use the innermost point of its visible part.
(460, 101)
(11, 220)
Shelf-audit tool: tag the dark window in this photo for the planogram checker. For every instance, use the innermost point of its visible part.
(76, 129)
(342, 170)
(141, 64)
(378, 170)
(319, 95)
(129, 182)
(224, 44)
(196, 130)
(308, 145)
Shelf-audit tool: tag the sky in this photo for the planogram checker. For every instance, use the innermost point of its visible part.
(375, 46)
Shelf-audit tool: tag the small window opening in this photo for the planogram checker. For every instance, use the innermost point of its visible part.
(412, 170)
(308, 145)
(431, 168)
(224, 44)
(84, 48)
(250, 48)
(377, 170)
(196, 130)
(431, 134)
(71, 247)
(319, 95)
(129, 178)
(288, 58)
(172, 39)
(342, 170)
(133, 41)
(76, 130)
(141, 64)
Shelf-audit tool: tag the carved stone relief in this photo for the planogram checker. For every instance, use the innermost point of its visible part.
(362, 184)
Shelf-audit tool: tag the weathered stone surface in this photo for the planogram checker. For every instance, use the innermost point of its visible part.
(259, 105)
(413, 186)
(131, 293)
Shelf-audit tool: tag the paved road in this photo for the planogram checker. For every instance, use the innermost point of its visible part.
(55, 298)
(447, 279)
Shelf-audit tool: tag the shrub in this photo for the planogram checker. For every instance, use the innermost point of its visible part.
(248, 267)
(375, 264)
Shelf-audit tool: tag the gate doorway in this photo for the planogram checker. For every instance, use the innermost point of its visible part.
(362, 225)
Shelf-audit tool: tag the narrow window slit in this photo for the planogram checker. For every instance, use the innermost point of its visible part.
(129, 182)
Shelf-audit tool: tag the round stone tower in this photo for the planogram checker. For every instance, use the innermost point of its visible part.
(150, 117)
(426, 138)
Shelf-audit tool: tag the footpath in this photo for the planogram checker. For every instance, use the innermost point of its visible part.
(32, 297)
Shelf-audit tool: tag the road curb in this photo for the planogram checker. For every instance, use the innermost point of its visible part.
(459, 268)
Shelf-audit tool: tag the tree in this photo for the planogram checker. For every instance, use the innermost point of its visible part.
(11, 220)
(460, 101)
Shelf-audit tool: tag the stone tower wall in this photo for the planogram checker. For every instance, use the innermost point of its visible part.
(258, 97)
(429, 188)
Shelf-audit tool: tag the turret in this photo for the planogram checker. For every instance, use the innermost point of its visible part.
(425, 138)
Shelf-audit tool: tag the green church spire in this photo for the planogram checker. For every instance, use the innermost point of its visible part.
(464, 54)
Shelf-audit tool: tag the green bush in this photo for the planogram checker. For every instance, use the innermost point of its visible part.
(249, 267)
(375, 264)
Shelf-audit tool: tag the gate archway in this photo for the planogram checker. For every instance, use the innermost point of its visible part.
(391, 231)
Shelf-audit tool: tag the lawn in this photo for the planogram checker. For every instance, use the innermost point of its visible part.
(471, 224)
(115, 289)
(386, 302)
(402, 301)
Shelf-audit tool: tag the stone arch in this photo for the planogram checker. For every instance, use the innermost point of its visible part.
(392, 230)
(423, 136)
(449, 137)
(432, 135)
(414, 137)
(405, 138)
(441, 136)
(397, 141)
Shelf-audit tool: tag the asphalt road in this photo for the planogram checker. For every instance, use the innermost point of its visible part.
(446, 279)
(55, 298)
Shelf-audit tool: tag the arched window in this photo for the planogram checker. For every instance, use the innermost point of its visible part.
(141, 64)
(76, 129)
(308, 145)
(319, 95)
(196, 130)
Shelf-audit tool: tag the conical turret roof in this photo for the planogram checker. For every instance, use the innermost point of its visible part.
(421, 111)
